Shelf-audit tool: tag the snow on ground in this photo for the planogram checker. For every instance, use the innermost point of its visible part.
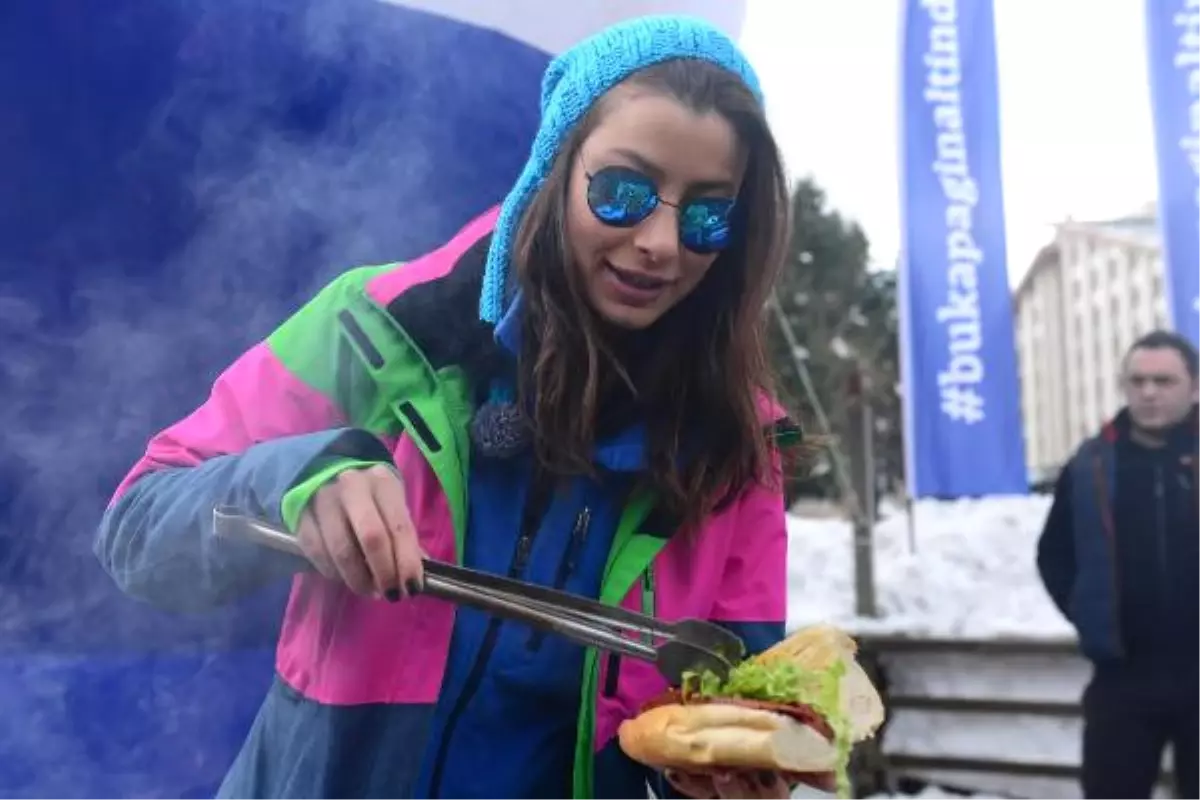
(971, 574)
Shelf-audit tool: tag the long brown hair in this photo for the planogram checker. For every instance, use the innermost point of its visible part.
(697, 387)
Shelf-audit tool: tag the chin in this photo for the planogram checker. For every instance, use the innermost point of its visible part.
(1155, 426)
(630, 319)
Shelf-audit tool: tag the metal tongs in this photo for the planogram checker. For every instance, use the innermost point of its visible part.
(675, 648)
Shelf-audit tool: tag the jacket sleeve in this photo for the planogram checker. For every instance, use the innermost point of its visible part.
(274, 427)
(1056, 547)
(752, 598)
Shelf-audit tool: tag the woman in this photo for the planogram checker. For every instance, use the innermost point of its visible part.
(572, 391)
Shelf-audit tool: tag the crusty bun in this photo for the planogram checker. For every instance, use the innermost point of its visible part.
(861, 703)
(729, 736)
(819, 647)
(739, 734)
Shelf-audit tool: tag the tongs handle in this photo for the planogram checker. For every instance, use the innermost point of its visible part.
(490, 593)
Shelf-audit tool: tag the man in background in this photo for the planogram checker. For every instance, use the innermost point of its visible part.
(1119, 556)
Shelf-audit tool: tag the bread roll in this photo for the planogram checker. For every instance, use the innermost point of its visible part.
(718, 735)
(724, 735)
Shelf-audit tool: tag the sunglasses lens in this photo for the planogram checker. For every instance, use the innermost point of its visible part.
(621, 197)
(704, 224)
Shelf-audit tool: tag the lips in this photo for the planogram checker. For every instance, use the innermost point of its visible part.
(632, 288)
(637, 280)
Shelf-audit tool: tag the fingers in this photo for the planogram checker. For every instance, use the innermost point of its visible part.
(337, 521)
(822, 781)
(730, 786)
(689, 785)
(313, 544)
(326, 538)
(767, 785)
(357, 529)
(371, 532)
(388, 493)
(746, 784)
(770, 784)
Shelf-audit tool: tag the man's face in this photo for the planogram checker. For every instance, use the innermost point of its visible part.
(1158, 389)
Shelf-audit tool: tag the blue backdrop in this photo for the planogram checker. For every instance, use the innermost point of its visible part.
(175, 178)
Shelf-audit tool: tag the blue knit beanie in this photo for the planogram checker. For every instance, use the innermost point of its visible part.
(572, 83)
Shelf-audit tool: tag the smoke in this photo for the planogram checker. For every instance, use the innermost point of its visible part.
(220, 165)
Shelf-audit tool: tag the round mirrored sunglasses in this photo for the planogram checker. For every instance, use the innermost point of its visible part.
(623, 197)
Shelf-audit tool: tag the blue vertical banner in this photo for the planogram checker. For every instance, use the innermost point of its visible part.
(1173, 45)
(961, 395)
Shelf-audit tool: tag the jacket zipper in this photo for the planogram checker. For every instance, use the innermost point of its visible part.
(531, 522)
(648, 602)
(1161, 535)
(566, 565)
(612, 670)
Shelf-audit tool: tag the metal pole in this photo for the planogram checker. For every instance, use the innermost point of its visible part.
(861, 437)
(859, 499)
(910, 508)
(840, 472)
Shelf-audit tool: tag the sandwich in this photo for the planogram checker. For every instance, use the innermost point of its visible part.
(796, 709)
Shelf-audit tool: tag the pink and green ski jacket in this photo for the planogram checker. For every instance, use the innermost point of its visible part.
(419, 698)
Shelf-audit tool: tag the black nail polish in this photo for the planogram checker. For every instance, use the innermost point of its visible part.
(414, 586)
(392, 595)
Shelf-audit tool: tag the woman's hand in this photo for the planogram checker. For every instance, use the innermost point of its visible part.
(357, 529)
(745, 784)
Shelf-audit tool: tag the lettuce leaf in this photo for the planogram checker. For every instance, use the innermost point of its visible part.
(786, 682)
(777, 682)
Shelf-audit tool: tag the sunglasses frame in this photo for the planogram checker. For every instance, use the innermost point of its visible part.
(656, 200)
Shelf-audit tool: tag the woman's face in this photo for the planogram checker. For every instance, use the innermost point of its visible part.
(634, 275)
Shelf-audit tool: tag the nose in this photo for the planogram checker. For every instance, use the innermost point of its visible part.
(657, 236)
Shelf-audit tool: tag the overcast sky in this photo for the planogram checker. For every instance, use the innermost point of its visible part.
(1074, 104)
